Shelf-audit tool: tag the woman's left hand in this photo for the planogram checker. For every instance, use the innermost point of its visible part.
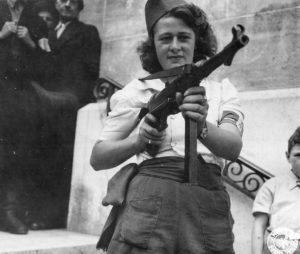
(193, 104)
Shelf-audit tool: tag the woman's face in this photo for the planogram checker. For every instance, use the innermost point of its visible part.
(174, 42)
(48, 18)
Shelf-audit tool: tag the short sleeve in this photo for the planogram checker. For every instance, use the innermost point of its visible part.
(122, 119)
(230, 108)
(264, 198)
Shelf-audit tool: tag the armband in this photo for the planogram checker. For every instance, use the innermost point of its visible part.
(233, 118)
(204, 132)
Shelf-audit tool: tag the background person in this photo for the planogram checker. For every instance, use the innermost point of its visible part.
(277, 203)
(73, 63)
(46, 11)
(20, 33)
(162, 214)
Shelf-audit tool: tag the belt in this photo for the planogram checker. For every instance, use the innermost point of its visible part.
(169, 168)
(172, 168)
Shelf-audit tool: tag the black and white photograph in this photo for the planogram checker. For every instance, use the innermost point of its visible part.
(149, 126)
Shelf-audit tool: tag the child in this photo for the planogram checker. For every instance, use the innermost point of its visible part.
(276, 208)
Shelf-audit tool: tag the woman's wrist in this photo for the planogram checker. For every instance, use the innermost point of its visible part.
(203, 132)
(137, 144)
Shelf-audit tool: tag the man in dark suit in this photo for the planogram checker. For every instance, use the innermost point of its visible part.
(75, 50)
(72, 67)
(21, 32)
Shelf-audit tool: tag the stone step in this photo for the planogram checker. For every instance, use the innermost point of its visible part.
(58, 241)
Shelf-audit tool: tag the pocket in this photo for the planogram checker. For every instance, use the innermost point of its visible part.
(139, 221)
(218, 223)
(221, 202)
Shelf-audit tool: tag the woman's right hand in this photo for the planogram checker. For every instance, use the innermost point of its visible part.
(8, 28)
(149, 134)
(103, 151)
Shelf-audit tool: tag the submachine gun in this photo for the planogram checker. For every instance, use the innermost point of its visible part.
(163, 103)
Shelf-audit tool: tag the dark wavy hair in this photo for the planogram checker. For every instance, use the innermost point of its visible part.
(294, 140)
(46, 5)
(80, 4)
(194, 17)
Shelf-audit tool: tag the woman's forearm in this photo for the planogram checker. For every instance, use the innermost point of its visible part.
(111, 153)
(224, 141)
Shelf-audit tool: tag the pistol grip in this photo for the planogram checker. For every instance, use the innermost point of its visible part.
(162, 120)
(162, 124)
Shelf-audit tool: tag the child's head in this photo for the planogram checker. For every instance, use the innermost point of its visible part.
(293, 152)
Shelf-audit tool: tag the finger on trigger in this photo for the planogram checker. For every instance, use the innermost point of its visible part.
(150, 119)
(179, 98)
(195, 90)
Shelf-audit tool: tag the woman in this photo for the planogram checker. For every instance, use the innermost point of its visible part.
(162, 214)
(46, 11)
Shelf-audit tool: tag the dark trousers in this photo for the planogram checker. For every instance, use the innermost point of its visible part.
(164, 215)
(20, 124)
(36, 143)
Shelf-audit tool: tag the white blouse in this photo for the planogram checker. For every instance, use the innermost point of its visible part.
(126, 104)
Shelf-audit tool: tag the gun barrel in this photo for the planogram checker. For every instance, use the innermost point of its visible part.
(244, 39)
